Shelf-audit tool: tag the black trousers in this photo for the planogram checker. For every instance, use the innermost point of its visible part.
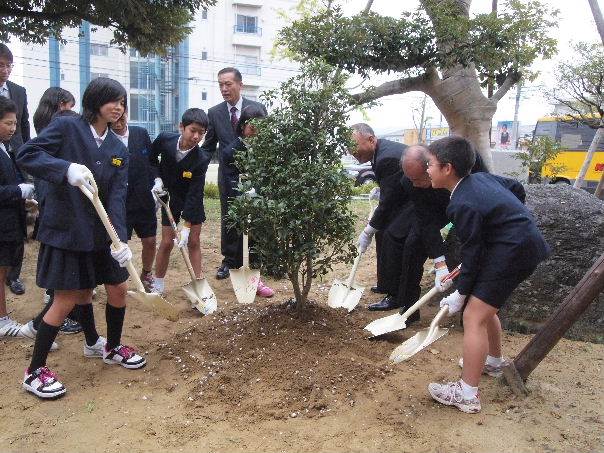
(378, 253)
(231, 242)
(404, 259)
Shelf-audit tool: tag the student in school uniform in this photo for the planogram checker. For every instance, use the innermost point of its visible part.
(180, 167)
(75, 251)
(13, 193)
(500, 247)
(230, 176)
(141, 208)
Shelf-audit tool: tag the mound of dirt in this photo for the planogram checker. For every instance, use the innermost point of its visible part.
(274, 362)
(572, 222)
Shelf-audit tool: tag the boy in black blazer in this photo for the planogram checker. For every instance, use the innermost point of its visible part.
(180, 167)
(500, 247)
(13, 193)
(140, 205)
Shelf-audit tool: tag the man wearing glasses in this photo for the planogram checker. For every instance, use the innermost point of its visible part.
(17, 93)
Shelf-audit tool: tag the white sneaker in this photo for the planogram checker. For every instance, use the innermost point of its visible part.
(28, 331)
(124, 356)
(97, 349)
(491, 370)
(11, 329)
(451, 394)
(43, 383)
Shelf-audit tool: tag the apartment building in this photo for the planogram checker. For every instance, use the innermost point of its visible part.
(231, 33)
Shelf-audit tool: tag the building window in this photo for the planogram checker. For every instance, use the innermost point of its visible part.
(204, 95)
(101, 50)
(204, 55)
(247, 24)
(62, 76)
(248, 64)
(204, 13)
(141, 107)
(134, 53)
(96, 75)
(140, 75)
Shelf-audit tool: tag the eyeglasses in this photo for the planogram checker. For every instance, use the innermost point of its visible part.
(6, 66)
(428, 164)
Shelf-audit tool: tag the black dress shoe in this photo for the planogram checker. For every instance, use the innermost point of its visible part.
(378, 290)
(223, 272)
(387, 303)
(16, 286)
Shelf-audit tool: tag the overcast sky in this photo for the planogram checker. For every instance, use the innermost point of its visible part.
(576, 24)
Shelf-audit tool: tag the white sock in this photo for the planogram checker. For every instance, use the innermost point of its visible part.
(159, 284)
(494, 361)
(468, 391)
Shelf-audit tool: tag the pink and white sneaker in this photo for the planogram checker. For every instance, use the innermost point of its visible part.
(43, 383)
(124, 356)
(264, 291)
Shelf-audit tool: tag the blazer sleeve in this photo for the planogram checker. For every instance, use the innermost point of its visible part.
(468, 225)
(391, 191)
(155, 151)
(148, 146)
(25, 119)
(513, 186)
(429, 229)
(193, 210)
(10, 194)
(38, 156)
(211, 139)
(116, 203)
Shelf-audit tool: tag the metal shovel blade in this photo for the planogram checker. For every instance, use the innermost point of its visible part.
(386, 324)
(245, 284)
(201, 296)
(420, 340)
(159, 304)
(342, 295)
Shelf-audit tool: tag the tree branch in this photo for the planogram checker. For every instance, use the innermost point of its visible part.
(399, 86)
(508, 83)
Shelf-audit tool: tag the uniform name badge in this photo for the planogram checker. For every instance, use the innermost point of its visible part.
(117, 161)
(187, 174)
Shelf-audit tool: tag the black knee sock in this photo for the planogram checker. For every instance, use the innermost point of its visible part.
(74, 314)
(38, 318)
(86, 318)
(44, 338)
(115, 322)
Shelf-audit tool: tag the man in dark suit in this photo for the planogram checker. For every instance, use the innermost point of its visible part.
(394, 213)
(18, 95)
(224, 118)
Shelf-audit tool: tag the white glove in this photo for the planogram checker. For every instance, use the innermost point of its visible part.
(251, 193)
(123, 255)
(184, 237)
(365, 238)
(79, 175)
(454, 301)
(158, 188)
(374, 194)
(440, 273)
(27, 191)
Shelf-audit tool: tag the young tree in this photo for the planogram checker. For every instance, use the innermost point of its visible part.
(580, 87)
(439, 50)
(300, 219)
(539, 154)
(147, 25)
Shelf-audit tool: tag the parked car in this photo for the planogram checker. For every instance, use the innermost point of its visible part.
(360, 173)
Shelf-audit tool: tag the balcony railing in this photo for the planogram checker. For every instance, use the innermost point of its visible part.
(249, 30)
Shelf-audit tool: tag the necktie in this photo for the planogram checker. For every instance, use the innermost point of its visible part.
(234, 119)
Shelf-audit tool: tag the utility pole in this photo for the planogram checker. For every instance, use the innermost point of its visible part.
(422, 120)
(595, 10)
(516, 108)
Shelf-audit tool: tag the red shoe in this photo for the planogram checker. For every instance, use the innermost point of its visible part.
(264, 291)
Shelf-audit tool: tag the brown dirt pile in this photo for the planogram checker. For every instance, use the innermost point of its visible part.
(275, 362)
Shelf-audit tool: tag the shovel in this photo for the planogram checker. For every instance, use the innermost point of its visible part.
(420, 340)
(245, 280)
(346, 294)
(158, 303)
(198, 289)
(398, 321)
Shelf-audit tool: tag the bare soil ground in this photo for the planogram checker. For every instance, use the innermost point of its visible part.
(263, 378)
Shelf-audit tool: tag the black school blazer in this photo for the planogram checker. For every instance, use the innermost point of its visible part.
(12, 206)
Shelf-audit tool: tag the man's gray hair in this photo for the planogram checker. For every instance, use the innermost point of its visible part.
(416, 153)
(363, 128)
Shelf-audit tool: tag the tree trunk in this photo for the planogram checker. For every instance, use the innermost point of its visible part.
(598, 138)
(467, 110)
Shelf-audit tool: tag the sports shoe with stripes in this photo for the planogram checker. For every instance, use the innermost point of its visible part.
(11, 329)
(43, 383)
(451, 394)
(124, 356)
(97, 349)
(28, 331)
(491, 370)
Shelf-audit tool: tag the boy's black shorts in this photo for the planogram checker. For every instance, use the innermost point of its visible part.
(497, 292)
(8, 253)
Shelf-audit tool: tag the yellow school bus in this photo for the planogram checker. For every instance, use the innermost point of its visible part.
(574, 139)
